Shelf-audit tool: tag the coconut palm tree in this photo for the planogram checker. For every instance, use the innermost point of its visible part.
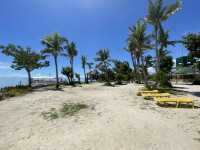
(142, 43)
(89, 64)
(54, 46)
(157, 13)
(130, 49)
(71, 53)
(103, 57)
(84, 62)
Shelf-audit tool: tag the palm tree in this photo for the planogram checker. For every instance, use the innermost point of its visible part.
(89, 64)
(130, 49)
(157, 13)
(103, 57)
(142, 43)
(54, 46)
(84, 62)
(71, 53)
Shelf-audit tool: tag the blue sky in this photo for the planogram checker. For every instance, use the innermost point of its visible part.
(92, 24)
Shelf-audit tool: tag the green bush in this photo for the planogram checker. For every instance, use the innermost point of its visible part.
(14, 91)
(163, 79)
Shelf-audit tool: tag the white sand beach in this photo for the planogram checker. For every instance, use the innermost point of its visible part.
(116, 119)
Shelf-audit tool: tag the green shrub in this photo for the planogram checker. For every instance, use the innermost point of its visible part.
(14, 91)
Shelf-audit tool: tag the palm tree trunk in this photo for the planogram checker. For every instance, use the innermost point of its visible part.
(85, 74)
(29, 78)
(134, 65)
(72, 67)
(144, 72)
(157, 50)
(138, 70)
(56, 65)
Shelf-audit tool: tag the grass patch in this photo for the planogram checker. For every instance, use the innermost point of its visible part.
(51, 115)
(66, 110)
(71, 109)
(147, 98)
(8, 92)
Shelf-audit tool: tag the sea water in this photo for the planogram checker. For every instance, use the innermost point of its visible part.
(12, 81)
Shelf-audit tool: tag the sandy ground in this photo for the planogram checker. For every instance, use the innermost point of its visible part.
(116, 120)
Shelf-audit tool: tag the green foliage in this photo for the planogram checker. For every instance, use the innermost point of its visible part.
(78, 77)
(54, 45)
(84, 63)
(164, 79)
(24, 58)
(66, 110)
(68, 73)
(139, 42)
(157, 12)
(122, 71)
(71, 109)
(14, 91)
(192, 43)
(71, 53)
(104, 62)
(51, 115)
(166, 64)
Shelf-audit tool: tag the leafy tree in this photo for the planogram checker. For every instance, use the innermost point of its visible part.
(142, 43)
(68, 73)
(158, 13)
(54, 45)
(78, 77)
(103, 59)
(122, 71)
(71, 53)
(84, 63)
(24, 58)
(90, 65)
(192, 42)
(130, 49)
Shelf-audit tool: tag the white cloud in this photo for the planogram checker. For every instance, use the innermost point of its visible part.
(4, 65)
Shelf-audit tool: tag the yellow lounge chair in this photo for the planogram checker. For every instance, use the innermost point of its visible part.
(156, 95)
(177, 100)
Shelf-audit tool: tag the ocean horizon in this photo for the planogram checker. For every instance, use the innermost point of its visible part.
(12, 81)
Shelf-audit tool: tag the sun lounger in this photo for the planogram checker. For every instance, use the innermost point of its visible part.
(176, 100)
(156, 95)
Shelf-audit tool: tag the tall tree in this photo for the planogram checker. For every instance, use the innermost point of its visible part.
(157, 13)
(90, 65)
(192, 42)
(71, 53)
(142, 43)
(67, 71)
(103, 58)
(24, 58)
(54, 46)
(84, 62)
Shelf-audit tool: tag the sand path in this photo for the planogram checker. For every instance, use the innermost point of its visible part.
(116, 120)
